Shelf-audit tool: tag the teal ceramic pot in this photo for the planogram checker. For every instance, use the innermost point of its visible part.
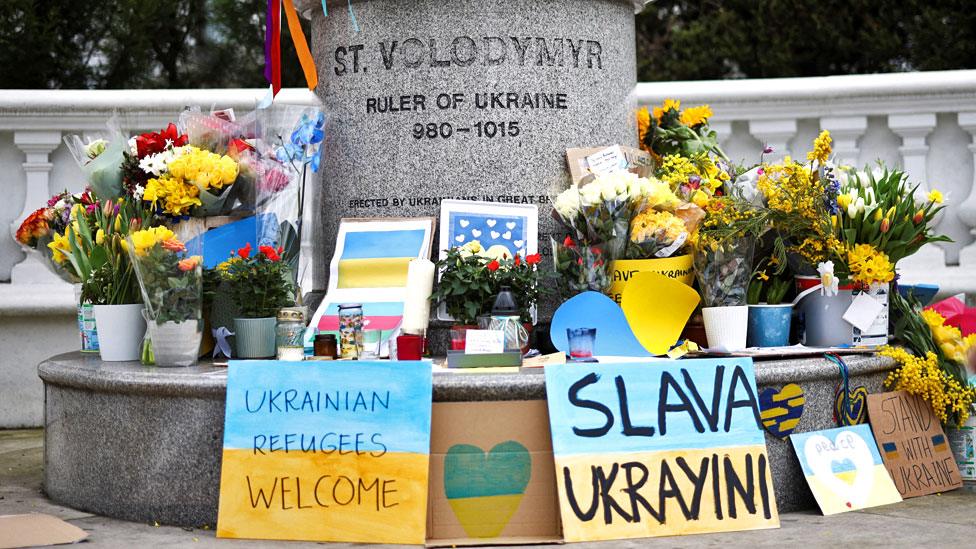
(255, 337)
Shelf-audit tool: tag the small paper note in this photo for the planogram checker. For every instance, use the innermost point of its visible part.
(541, 361)
(608, 160)
(479, 342)
(863, 311)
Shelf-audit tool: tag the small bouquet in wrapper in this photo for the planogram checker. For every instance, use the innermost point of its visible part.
(101, 159)
(724, 252)
(171, 282)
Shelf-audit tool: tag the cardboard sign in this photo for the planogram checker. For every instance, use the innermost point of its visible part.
(491, 474)
(660, 449)
(36, 529)
(912, 443)
(326, 451)
(843, 469)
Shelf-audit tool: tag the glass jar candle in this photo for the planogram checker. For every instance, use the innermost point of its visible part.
(350, 329)
(326, 346)
(289, 334)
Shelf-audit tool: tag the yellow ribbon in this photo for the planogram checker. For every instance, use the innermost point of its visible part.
(301, 45)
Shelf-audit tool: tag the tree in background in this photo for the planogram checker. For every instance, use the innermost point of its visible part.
(710, 39)
(138, 44)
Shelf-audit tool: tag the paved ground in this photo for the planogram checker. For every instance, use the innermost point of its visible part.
(940, 521)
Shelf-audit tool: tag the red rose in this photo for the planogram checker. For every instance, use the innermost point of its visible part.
(518, 261)
(244, 252)
(493, 266)
(269, 252)
(533, 259)
(568, 242)
(595, 251)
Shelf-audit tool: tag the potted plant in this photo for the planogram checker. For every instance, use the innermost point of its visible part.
(769, 316)
(260, 285)
(171, 284)
(93, 247)
(465, 288)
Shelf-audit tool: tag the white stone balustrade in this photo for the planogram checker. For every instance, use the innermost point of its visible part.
(923, 122)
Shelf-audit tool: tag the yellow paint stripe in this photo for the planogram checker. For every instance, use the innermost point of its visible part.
(794, 402)
(789, 424)
(380, 272)
(774, 412)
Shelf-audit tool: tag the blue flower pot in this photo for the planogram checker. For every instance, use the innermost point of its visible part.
(769, 325)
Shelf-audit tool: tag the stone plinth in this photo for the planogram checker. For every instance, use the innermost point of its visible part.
(472, 99)
(144, 444)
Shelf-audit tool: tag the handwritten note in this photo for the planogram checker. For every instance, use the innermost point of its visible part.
(480, 342)
(654, 450)
(326, 451)
(913, 445)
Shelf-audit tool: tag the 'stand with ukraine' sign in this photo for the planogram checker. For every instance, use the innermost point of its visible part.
(657, 449)
(326, 451)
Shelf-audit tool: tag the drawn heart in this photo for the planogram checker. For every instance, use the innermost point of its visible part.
(518, 243)
(857, 411)
(844, 466)
(459, 238)
(491, 222)
(464, 223)
(510, 225)
(781, 410)
(475, 233)
(484, 490)
(495, 235)
(507, 235)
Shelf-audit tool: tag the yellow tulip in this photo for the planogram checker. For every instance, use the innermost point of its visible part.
(100, 237)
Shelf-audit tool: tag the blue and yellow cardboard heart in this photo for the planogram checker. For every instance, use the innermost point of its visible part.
(855, 411)
(484, 490)
(781, 410)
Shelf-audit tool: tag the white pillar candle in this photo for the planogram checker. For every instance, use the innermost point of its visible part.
(416, 306)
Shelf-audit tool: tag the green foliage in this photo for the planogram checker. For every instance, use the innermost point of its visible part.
(139, 44)
(259, 285)
(697, 40)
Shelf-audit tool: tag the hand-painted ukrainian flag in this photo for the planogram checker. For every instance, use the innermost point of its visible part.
(378, 259)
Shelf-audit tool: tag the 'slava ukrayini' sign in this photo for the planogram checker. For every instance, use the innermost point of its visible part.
(659, 449)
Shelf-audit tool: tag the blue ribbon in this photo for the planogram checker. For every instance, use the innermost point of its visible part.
(221, 345)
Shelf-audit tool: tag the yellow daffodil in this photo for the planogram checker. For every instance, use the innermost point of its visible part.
(59, 245)
(935, 196)
(147, 238)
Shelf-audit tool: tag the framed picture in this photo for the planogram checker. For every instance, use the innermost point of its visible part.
(509, 228)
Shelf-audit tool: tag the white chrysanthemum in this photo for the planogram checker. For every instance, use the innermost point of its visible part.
(567, 203)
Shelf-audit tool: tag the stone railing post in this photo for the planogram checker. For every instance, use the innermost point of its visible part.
(774, 133)
(913, 130)
(967, 209)
(37, 147)
(845, 131)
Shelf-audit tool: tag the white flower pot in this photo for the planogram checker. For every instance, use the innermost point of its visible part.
(726, 327)
(121, 329)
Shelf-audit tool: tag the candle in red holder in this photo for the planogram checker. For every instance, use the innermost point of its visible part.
(410, 347)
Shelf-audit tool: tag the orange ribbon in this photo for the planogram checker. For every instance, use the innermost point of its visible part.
(301, 45)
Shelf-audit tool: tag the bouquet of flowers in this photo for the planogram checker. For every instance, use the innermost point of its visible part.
(724, 250)
(668, 130)
(934, 364)
(880, 209)
(171, 283)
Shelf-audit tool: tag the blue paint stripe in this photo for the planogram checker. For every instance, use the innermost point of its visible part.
(375, 244)
(643, 385)
(403, 426)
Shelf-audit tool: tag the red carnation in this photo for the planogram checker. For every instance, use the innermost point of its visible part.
(244, 252)
(493, 266)
(533, 259)
(269, 252)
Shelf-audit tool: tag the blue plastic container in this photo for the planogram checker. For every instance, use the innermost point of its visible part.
(769, 325)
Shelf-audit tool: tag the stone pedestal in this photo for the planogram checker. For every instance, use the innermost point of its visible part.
(472, 99)
(144, 443)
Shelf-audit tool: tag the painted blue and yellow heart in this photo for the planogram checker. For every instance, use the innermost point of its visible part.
(857, 410)
(781, 410)
(485, 489)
